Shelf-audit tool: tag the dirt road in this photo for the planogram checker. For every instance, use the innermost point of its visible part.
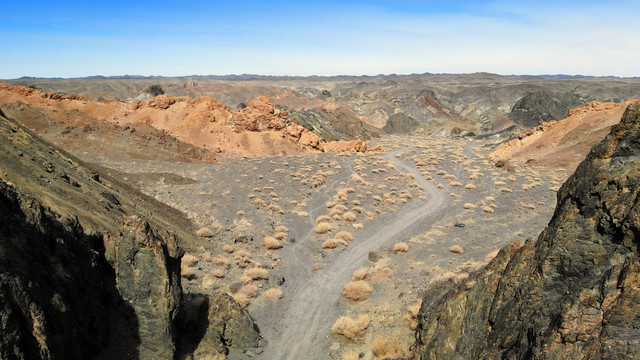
(298, 327)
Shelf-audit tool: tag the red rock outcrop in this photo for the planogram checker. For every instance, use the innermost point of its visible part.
(256, 130)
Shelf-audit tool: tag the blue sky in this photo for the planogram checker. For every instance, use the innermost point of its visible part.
(82, 38)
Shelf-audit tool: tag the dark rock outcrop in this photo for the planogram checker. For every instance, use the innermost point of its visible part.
(537, 107)
(400, 123)
(89, 268)
(154, 90)
(571, 294)
(338, 124)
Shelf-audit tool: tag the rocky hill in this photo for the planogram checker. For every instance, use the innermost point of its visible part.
(163, 127)
(573, 293)
(561, 145)
(479, 103)
(91, 267)
(537, 107)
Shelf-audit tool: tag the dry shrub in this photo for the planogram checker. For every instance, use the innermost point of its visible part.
(350, 328)
(385, 348)
(240, 213)
(280, 235)
(456, 249)
(357, 290)
(341, 208)
(506, 190)
(257, 273)
(189, 260)
(329, 244)
(361, 274)
(219, 260)
(487, 209)
(455, 183)
(204, 232)
(449, 177)
(357, 226)
(499, 183)
(248, 290)
(271, 243)
(469, 206)
(322, 218)
(529, 206)
(281, 228)
(356, 179)
(303, 213)
(351, 355)
(349, 216)
(335, 212)
(323, 228)
(490, 198)
(470, 186)
(356, 202)
(344, 235)
(242, 258)
(377, 198)
(401, 246)
(187, 272)
(227, 248)
(217, 273)
(273, 294)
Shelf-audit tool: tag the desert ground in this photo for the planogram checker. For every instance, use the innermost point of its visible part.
(329, 253)
(330, 246)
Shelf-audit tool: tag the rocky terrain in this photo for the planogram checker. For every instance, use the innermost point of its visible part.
(479, 103)
(235, 227)
(91, 267)
(572, 293)
(559, 146)
(180, 128)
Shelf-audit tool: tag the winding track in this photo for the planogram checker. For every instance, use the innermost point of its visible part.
(311, 298)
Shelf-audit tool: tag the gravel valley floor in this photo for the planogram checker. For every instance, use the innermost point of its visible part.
(330, 253)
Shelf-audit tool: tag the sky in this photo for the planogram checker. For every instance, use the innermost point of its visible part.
(176, 38)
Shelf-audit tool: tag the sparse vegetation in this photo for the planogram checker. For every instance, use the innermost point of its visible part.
(204, 232)
(344, 235)
(385, 348)
(257, 273)
(361, 274)
(349, 216)
(323, 228)
(271, 243)
(329, 244)
(357, 290)
(349, 328)
(400, 247)
(273, 294)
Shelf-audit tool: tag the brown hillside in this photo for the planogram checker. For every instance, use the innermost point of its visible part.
(563, 144)
(165, 124)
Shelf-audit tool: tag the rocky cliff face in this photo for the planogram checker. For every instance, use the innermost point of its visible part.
(571, 294)
(89, 268)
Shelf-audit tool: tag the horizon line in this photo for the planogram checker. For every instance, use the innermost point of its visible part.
(246, 75)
